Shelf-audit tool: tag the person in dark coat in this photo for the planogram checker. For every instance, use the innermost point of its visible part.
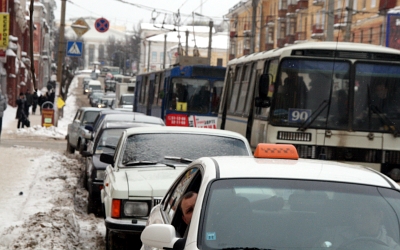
(35, 100)
(21, 116)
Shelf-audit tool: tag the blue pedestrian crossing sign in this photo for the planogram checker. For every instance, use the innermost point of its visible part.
(74, 48)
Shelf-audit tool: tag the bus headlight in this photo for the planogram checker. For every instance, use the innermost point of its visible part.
(136, 208)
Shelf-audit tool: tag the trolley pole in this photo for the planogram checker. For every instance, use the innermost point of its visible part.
(211, 24)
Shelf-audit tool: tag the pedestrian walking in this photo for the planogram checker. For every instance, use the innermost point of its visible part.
(21, 103)
(35, 100)
(3, 106)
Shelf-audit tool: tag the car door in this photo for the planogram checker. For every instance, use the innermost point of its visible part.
(76, 123)
(169, 211)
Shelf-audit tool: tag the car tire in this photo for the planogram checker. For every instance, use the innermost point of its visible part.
(81, 147)
(70, 149)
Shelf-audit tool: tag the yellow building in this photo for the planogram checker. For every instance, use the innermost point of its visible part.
(259, 25)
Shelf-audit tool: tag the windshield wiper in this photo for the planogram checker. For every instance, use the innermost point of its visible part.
(137, 163)
(179, 159)
(389, 123)
(304, 126)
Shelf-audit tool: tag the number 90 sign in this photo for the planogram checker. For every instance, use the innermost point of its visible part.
(299, 115)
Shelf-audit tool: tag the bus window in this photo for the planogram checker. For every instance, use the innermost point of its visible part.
(250, 93)
(191, 95)
(216, 96)
(235, 90)
(376, 97)
(244, 88)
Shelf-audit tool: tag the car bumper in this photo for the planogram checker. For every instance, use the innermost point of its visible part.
(125, 225)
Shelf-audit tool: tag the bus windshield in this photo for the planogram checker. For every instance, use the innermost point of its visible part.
(377, 97)
(189, 95)
(311, 91)
(316, 93)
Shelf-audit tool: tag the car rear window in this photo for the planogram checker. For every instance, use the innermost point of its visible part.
(154, 147)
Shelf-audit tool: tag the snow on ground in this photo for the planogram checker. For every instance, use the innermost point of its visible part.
(43, 205)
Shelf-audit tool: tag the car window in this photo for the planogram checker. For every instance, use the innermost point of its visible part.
(174, 196)
(297, 214)
(108, 140)
(154, 147)
(89, 117)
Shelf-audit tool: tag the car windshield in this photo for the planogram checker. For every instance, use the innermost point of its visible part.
(154, 147)
(108, 140)
(298, 214)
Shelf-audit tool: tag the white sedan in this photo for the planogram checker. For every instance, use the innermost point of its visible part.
(276, 201)
(145, 163)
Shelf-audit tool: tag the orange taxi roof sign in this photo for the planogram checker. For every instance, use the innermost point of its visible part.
(276, 151)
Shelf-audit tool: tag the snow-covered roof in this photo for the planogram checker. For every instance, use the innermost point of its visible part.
(218, 41)
(170, 27)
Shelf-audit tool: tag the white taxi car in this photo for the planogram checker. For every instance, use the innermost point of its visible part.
(277, 201)
(146, 162)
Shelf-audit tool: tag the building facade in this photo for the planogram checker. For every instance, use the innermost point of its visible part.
(259, 25)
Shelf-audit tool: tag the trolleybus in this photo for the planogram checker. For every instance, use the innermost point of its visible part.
(335, 101)
(182, 95)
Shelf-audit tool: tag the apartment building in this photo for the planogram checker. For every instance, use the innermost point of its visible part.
(259, 25)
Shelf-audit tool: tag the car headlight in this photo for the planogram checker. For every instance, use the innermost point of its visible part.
(100, 175)
(136, 208)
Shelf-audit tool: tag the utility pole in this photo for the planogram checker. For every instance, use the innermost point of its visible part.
(331, 20)
(148, 57)
(165, 49)
(61, 47)
(31, 44)
(211, 24)
(349, 21)
(254, 4)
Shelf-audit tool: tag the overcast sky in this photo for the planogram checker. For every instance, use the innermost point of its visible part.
(123, 12)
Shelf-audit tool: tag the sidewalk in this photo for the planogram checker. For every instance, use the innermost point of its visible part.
(12, 123)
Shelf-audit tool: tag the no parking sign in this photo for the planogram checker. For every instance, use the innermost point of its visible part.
(102, 25)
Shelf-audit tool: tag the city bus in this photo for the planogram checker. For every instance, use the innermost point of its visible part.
(327, 99)
(182, 95)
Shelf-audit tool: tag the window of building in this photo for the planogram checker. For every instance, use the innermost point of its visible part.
(153, 56)
(219, 61)
(373, 3)
(162, 57)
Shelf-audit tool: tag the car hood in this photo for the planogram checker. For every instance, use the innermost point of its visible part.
(151, 181)
(99, 165)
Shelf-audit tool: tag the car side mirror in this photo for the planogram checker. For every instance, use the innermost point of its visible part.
(160, 236)
(106, 158)
(89, 127)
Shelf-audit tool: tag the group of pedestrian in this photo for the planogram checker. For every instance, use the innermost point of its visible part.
(24, 102)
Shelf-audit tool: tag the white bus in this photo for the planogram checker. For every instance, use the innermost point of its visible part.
(334, 101)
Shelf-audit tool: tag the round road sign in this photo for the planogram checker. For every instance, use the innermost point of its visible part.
(101, 25)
